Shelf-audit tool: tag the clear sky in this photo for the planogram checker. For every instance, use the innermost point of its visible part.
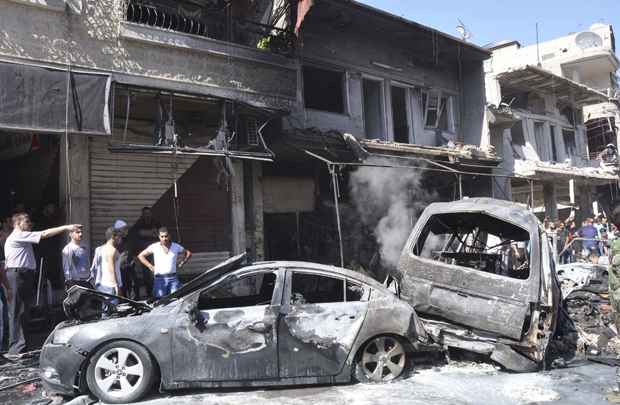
(495, 20)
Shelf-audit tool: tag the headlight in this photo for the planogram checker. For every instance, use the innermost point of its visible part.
(62, 336)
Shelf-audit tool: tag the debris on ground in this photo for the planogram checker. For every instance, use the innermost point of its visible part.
(19, 380)
(584, 286)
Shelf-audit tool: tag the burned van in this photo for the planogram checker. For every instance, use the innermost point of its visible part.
(480, 274)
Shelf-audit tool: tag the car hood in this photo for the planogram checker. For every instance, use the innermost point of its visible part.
(85, 304)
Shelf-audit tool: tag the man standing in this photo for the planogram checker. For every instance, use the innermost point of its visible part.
(142, 235)
(590, 240)
(165, 255)
(21, 267)
(107, 263)
(75, 262)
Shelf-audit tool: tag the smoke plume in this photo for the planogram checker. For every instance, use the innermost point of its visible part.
(389, 200)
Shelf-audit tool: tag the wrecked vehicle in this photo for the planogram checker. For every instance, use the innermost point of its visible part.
(263, 324)
(480, 274)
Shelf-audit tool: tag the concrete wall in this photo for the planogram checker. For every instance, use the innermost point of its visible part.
(100, 39)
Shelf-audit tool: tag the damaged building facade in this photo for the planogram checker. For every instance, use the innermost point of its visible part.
(227, 117)
(553, 111)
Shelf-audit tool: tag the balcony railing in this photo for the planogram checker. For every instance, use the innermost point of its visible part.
(214, 24)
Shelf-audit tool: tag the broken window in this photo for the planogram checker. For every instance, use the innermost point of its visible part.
(477, 241)
(438, 110)
(315, 289)
(400, 117)
(373, 109)
(324, 89)
(570, 145)
(247, 291)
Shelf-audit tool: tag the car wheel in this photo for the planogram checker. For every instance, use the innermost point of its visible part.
(120, 372)
(381, 359)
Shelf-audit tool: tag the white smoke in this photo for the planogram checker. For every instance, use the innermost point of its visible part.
(389, 200)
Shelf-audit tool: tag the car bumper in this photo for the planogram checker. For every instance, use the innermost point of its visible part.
(60, 365)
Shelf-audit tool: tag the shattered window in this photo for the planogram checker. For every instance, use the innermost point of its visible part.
(252, 290)
(438, 110)
(314, 289)
(476, 241)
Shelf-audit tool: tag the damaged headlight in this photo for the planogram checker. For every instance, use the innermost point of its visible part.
(63, 335)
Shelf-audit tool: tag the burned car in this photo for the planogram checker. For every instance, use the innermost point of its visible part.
(480, 275)
(262, 324)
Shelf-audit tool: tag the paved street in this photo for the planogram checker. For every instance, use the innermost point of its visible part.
(455, 384)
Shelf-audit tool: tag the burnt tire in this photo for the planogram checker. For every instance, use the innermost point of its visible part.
(381, 359)
(120, 372)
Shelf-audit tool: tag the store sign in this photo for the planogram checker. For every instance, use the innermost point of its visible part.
(15, 145)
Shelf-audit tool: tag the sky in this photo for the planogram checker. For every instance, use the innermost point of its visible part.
(496, 20)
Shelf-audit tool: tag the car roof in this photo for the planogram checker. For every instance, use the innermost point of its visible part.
(506, 210)
(337, 271)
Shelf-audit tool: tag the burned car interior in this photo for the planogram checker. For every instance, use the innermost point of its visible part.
(477, 241)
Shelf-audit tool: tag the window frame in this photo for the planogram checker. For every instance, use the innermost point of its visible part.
(409, 110)
(441, 109)
(344, 86)
(385, 130)
(276, 295)
(288, 289)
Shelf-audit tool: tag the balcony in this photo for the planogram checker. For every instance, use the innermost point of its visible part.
(223, 23)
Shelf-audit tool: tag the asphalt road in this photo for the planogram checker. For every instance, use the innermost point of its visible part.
(453, 384)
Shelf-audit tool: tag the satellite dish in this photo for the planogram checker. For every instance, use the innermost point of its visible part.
(588, 39)
(462, 29)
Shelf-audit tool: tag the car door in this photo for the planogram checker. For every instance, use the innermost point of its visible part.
(227, 332)
(321, 317)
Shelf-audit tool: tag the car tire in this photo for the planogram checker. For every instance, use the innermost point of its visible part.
(120, 372)
(381, 359)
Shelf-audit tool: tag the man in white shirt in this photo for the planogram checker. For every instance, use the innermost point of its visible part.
(165, 256)
(21, 267)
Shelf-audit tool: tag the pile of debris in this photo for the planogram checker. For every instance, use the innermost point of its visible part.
(584, 287)
(19, 380)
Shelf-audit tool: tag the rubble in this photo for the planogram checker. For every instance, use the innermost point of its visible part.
(584, 286)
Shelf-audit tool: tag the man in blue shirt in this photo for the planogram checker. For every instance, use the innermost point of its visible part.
(75, 261)
(590, 243)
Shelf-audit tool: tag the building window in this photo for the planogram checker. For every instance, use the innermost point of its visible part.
(554, 149)
(400, 116)
(438, 110)
(570, 145)
(539, 138)
(324, 89)
(373, 109)
(518, 140)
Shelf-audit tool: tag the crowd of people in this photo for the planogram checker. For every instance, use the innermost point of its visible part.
(121, 266)
(588, 242)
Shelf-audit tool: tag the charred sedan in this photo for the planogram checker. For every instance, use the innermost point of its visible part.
(480, 274)
(264, 324)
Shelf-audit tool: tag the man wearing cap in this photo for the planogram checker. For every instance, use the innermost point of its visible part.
(75, 262)
(21, 267)
(165, 256)
(126, 261)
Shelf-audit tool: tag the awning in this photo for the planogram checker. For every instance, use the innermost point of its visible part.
(44, 99)
(592, 175)
(169, 150)
(533, 78)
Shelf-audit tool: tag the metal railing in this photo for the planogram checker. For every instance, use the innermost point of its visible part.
(215, 25)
